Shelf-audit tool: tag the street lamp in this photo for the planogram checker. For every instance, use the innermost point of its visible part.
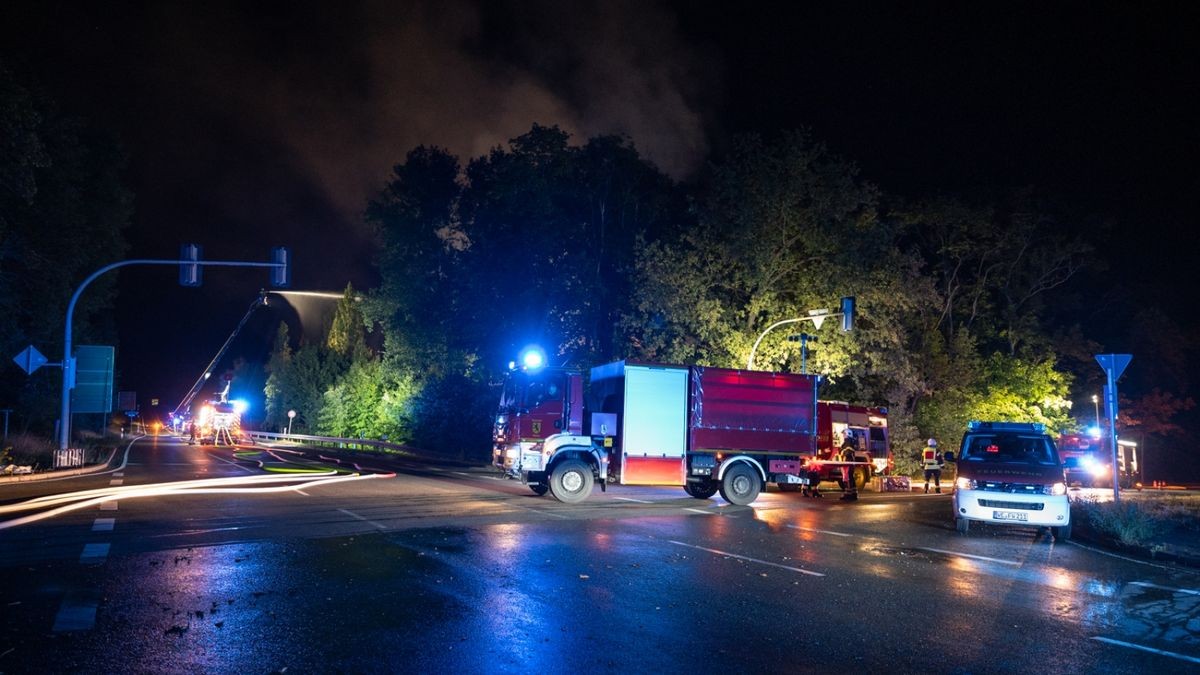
(291, 416)
(1096, 403)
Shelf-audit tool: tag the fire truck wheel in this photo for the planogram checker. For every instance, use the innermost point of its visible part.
(741, 484)
(701, 490)
(539, 489)
(1061, 533)
(861, 475)
(964, 525)
(571, 481)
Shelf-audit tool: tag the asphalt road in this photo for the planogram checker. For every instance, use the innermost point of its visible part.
(200, 561)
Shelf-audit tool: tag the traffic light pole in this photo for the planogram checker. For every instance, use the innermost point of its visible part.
(68, 363)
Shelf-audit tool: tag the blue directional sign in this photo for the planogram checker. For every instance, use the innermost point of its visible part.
(30, 359)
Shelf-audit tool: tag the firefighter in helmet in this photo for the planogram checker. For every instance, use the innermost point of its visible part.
(932, 462)
(849, 454)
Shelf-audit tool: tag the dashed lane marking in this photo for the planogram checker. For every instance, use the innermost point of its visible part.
(748, 559)
(813, 529)
(369, 522)
(110, 505)
(94, 554)
(119, 474)
(703, 512)
(116, 481)
(1144, 648)
(77, 612)
(1146, 584)
(631, 499)
(103, 524)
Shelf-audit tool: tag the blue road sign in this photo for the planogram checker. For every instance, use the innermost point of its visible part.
(30, 359)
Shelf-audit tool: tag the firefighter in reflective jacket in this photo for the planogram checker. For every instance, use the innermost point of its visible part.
(932, 463)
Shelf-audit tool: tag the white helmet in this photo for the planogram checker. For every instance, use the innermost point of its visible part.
(931, 443)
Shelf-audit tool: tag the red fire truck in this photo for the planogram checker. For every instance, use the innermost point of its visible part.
(704, 429)
(1091, 464)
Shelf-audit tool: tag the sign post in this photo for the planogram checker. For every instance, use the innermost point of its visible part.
(1113, 365)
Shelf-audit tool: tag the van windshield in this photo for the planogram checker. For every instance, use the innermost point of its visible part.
(1010, 448)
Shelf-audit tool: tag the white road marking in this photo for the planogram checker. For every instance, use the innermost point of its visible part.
(748, 559)
(475, 475)
(369, 522)
(302, 492)
(1146, 584)
(542, 513)
(77, 612)
(700, 511)
(110, 505)
(1144, 648)
(631, 499)
(116, 481)
(119, 474)
(103, 524)
(968, 555)
(813, 529)
(1118, 556)
(94, 554)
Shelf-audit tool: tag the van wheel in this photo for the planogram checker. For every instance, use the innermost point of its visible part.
(741, 484)
(571, 481)
(963, 525)
(1061, 533)
(701, 490)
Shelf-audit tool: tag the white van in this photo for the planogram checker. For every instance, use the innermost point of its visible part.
(1010, 473)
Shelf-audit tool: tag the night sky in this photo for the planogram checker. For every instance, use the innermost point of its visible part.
(250, 125)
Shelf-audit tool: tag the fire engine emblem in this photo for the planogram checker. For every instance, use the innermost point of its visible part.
(537, 428)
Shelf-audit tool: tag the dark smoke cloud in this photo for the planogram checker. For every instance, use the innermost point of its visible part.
(344, 91)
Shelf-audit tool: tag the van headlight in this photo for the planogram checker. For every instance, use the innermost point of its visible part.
(1055, 489)
(961, 483)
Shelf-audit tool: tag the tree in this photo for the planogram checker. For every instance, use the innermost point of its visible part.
(62, 212)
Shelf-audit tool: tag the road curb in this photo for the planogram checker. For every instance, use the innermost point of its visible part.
(1148, 553)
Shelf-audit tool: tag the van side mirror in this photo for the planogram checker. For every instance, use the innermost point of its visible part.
(949, 456)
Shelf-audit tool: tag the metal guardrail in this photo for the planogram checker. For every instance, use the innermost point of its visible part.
(332, 441)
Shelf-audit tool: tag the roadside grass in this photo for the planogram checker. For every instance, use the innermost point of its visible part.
(1141, 519)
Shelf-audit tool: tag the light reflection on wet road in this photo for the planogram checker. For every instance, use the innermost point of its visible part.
(440, 572)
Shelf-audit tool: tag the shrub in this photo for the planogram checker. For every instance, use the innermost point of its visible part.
(1129, 522)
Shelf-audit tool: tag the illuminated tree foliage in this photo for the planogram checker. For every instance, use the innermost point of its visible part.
(589, 251)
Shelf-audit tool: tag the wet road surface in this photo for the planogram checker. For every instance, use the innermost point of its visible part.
(440, 569)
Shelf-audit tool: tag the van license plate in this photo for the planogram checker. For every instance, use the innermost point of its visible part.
(1010, 515)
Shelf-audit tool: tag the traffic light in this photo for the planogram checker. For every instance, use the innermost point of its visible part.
(281, 277)
(848, 313)
(189, 274)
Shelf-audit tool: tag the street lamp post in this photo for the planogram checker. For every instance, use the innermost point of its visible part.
(1096, 403)
(291, 416)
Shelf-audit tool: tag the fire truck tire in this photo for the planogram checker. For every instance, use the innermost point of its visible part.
(741, 484)
(963, 525)
(571, 481)
(1061, 533)
(539, 489)
(701, 490)
(860, 477)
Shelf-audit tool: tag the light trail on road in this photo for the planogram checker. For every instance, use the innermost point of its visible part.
(73, 501)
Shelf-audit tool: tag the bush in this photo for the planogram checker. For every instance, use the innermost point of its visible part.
(28, 449)
(1129, 522)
